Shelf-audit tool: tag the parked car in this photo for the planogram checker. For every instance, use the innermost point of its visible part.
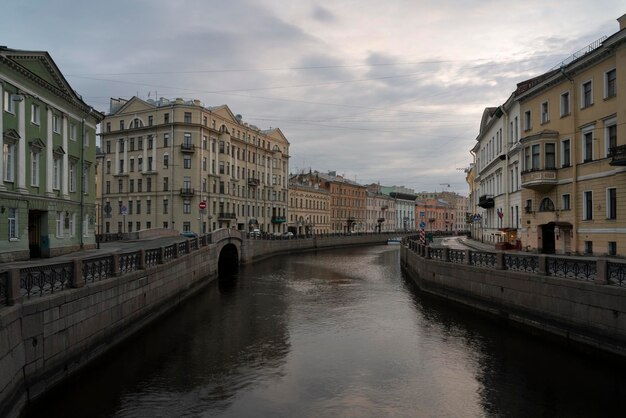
(189, 234)
(288, 234)
(255, 232)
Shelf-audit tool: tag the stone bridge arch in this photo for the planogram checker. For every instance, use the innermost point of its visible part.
(228, 249)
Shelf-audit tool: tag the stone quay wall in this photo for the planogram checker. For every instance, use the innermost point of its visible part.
(578, 299)
(56, 318)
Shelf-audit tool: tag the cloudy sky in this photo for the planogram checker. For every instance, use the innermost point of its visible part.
(388, 92)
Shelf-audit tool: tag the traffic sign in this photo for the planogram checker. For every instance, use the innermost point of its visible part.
(124, 210)
(202, 205)
(422, 224)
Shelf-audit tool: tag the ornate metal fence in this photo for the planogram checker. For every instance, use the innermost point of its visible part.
(456, 256)
(436, 253)
(193, 244)
(182, 247)
(152, 257)
(4, 292)
(168, 252)
(42, 280)
(129, 262)
(519, 262)
(481, 259)
(616, 273)
(572, 268)
(96, 269)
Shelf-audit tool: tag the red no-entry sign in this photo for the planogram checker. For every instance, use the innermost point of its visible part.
(202, 205)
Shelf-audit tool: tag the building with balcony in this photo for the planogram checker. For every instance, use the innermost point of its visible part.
(380, 210)
(404, 205)
(309, 206)
(573, 173)
(47, 193)
(161, 158)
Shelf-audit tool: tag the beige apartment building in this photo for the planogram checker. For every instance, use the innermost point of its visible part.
(309, 207)
(574, 153)
(164, 160)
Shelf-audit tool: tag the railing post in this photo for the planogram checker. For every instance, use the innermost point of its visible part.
(602, 271)
(175, 252)
(14, 294)
(445, 256)
(142, 259)
(542, 264)
(468, 256)
(426, 252)
(77, 274)
(116, 264)
(500, 261)
(161, 255)
(188, 246)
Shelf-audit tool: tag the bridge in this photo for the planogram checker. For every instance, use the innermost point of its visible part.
(56, 315)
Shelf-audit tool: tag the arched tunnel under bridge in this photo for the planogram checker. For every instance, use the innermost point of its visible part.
(228, 263)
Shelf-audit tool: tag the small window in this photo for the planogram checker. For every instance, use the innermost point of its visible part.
(610, 84)
(565, 202)
(612, 248)
(35, 116)
(527, 120)
(586, 94)
(588, 247)
(545, 117)
(565, 107)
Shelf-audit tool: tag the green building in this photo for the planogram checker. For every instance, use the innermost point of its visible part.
(47, 207)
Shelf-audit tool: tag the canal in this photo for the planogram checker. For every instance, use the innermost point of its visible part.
(335, 334)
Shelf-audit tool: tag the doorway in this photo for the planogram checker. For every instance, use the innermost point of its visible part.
(547, 238)
(35, 218)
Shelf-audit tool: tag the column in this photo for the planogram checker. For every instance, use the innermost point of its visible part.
(154, 154)
(2, 136)
(144, 154)
(66, 168)
(117, 157)
(21, 153)
(49, 156)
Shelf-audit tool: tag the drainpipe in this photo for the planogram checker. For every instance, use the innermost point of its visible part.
(506, 166)
(574, 163)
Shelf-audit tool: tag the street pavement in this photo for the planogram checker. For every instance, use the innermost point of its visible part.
(463, 243)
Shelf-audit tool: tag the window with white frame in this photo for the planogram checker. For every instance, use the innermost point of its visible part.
(9, 161)
(72, 175)
(86, 138)
(186, 206)
(73, 131)
(566, 159)
(86, 225)
(59, 221)
(550, 156)
(35, 114)
(34, 167)
(56, 124)
(9, 102)
(586, 94)
(610, 135)
(565, 202)
(536, 150)
(56, 173)
(587, 205)
(72, 224)
(545, 117)
(610, 83)
(13, 225)
(528, 120)
(587, 146)
(565, 105)
(611, 203)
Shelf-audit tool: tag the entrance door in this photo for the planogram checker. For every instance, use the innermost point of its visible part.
(34, 233)
(547, 238)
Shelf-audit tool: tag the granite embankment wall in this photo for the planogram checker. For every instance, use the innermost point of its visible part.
(54, 319)
(587, 305)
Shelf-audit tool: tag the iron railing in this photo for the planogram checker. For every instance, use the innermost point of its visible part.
(519, 262)
(47, 279)
(456, 256)
(616, 273)
(571, 268)
(129, 262)
(482, 259)
(151, 257)
(96, 269)
(4, 292)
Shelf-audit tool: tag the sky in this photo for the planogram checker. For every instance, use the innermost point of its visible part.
(382, 92)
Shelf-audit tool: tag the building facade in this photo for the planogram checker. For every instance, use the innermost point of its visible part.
(48, 142)
(404, 204)
(574, 153)
(164, 160)
(309, 207)
(381, 210)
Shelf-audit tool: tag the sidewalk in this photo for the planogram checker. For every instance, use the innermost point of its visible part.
(477, 245)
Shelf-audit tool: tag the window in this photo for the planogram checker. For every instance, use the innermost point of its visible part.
(205, 121)
(72, 222)
(34, 168)
(56, 174)
(138, 207)
(610, 84)
(73, 168)
(120, 186)
(586, 94)
(612, 248)
(59, 221)
(108, 126)
(588, 247)
(131, 186)
(166, 160)
(186, 226)
(565, 202)
(545, 117)
(186, 207)
(222, 167)
(121, 125)
(165, 184)
(150, 120)
(149, 184)
(527, 120)
(166, 118)
(148, 207)
(546, 205)
(565, 104)
(131, 165)
(56, 124)
(187, 161)
(610, 136)
(9, 102)
(140, 143)
(165, 206)
(73, 131)
(587, 205)
(550, 156)
(536, 155)
(150, 142)
(121, 169)
(108, 187)
(587, 146)
(86, 179)
(166, 140)
(565, 153)
(131, 145)
(187, 144)
(35, 114)
(108, 149)
(13, 224)
(187, 117)
(139, 163)
(611, 203)
(150, 168)
(140, 185)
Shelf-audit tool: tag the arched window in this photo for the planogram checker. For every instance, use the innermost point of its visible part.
(136, 123)
(546, 205)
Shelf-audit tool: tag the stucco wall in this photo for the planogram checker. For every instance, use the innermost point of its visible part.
(581, 311)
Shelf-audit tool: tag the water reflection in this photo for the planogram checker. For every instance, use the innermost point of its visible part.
(335, 333)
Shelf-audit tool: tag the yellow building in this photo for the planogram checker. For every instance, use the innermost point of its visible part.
(309, 207)
(161, 159)
(574, 153)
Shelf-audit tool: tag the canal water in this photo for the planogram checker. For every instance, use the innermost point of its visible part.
(336, 334)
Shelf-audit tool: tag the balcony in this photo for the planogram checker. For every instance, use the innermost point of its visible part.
(188, 148)
(227, 215)
(539, 180)
(486, 201)
(380, 220)
(253, 182)
(618, 155)
(278, 219)
(187, 192)
(384, 207)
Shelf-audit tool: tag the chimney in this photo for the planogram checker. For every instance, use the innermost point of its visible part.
(622, 22)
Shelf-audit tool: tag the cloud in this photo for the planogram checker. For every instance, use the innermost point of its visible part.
(323, 15)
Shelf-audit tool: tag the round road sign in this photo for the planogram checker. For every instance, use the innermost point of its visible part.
(202, 205)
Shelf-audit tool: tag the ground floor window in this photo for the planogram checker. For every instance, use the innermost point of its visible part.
(13, 224)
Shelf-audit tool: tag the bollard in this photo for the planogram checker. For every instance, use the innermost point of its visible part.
(500, 264)
(446, 254)
(542, 267)
(116, 264)
(468, 257)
